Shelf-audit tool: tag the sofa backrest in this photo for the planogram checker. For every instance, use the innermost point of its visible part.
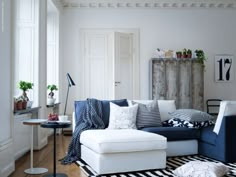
(80, 105)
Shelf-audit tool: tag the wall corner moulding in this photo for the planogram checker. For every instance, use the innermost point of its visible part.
(67, 4)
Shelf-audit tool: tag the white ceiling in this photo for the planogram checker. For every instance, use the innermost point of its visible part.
(67, 4)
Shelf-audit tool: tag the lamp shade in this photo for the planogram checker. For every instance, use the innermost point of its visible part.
(70, 81)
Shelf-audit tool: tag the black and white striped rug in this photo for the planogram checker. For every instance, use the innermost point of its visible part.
(172, 164)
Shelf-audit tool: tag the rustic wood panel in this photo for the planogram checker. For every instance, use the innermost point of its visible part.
(158, 80)
(179, 80)
(171, 80)
(184, 97)
(197, 86)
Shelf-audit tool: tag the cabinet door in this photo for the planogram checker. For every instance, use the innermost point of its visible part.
(179, 80)
(172, 80)
(184, 84)
(158, 80)
(197, 86)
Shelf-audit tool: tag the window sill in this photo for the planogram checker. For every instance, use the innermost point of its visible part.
(53, 105)
(27, 110)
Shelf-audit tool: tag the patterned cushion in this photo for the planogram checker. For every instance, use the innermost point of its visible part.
(183, 123)
(201, 169)
(191, 115)
(122, 117)
(148, 115)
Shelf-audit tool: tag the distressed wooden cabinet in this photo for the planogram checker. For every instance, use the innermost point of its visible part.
(181, 80)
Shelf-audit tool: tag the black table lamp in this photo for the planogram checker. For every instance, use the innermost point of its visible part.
(70, 83)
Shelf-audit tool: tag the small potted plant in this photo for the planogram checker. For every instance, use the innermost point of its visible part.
(51, 100)
(178, 54)
(184, 54)
(200, 56)
(189, 53)
(24, 86)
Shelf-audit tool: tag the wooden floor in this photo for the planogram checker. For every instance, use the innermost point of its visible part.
(44, 158)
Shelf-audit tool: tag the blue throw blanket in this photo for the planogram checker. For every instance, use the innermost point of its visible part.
(91, 118)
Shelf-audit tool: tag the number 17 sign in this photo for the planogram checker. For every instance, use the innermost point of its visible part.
(224, 68)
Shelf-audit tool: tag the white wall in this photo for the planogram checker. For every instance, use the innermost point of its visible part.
(7, 164)
(212, 30)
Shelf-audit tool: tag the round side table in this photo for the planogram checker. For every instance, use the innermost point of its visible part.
(55, 125)
(32, 170)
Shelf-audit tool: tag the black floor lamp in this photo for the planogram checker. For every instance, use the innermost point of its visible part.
(70, 83)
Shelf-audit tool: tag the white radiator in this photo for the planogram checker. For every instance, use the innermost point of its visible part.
(22, 134)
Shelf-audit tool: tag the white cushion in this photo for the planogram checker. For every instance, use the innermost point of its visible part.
(201, 169)
(227, 108)
(122, 117)
(125, 140)
(165, 107)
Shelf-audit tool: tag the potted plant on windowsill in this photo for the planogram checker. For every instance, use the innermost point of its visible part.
(51, 100)
(22, 101)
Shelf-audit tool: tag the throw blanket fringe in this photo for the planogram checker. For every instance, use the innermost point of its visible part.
(91, 118)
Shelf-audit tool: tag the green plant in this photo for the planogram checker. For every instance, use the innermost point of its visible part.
(184, 53)
(25, 86)
(189, 51)
(51, 88)
(179, 54)
(200, 56)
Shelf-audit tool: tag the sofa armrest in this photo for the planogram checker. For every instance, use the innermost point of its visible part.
(226, 138)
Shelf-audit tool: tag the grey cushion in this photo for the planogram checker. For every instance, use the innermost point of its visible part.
(191, 115)
(148, 115)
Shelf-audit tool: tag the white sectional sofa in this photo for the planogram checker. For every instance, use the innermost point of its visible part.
(177, 147)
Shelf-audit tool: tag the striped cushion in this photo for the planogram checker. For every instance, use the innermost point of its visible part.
(191, 115)
(148, 115)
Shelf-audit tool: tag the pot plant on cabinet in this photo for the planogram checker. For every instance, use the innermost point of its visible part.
(51, 100)
(22, 101)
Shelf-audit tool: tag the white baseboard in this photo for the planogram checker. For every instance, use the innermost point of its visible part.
(5, 172)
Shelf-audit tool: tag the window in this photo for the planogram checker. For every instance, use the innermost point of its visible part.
(26, 46)
(52, 47)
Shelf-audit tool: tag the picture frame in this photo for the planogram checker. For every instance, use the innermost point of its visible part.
(224, 68)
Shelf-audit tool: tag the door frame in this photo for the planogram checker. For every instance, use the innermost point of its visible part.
(136, 55)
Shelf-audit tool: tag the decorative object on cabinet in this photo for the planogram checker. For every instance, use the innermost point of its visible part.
(51, 100)
(189, 53)
(184, 54)
(179, 80)
(224, 68)
(200, 56)
(179, 54)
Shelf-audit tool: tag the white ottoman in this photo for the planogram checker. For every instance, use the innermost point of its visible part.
(113, 151)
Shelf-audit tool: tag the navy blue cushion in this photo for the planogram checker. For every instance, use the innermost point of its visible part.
(207, 135)
(174, 133)
(80, 105)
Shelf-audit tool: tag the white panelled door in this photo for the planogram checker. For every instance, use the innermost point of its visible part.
(123, 65)
(96, 76)
(109, 68)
